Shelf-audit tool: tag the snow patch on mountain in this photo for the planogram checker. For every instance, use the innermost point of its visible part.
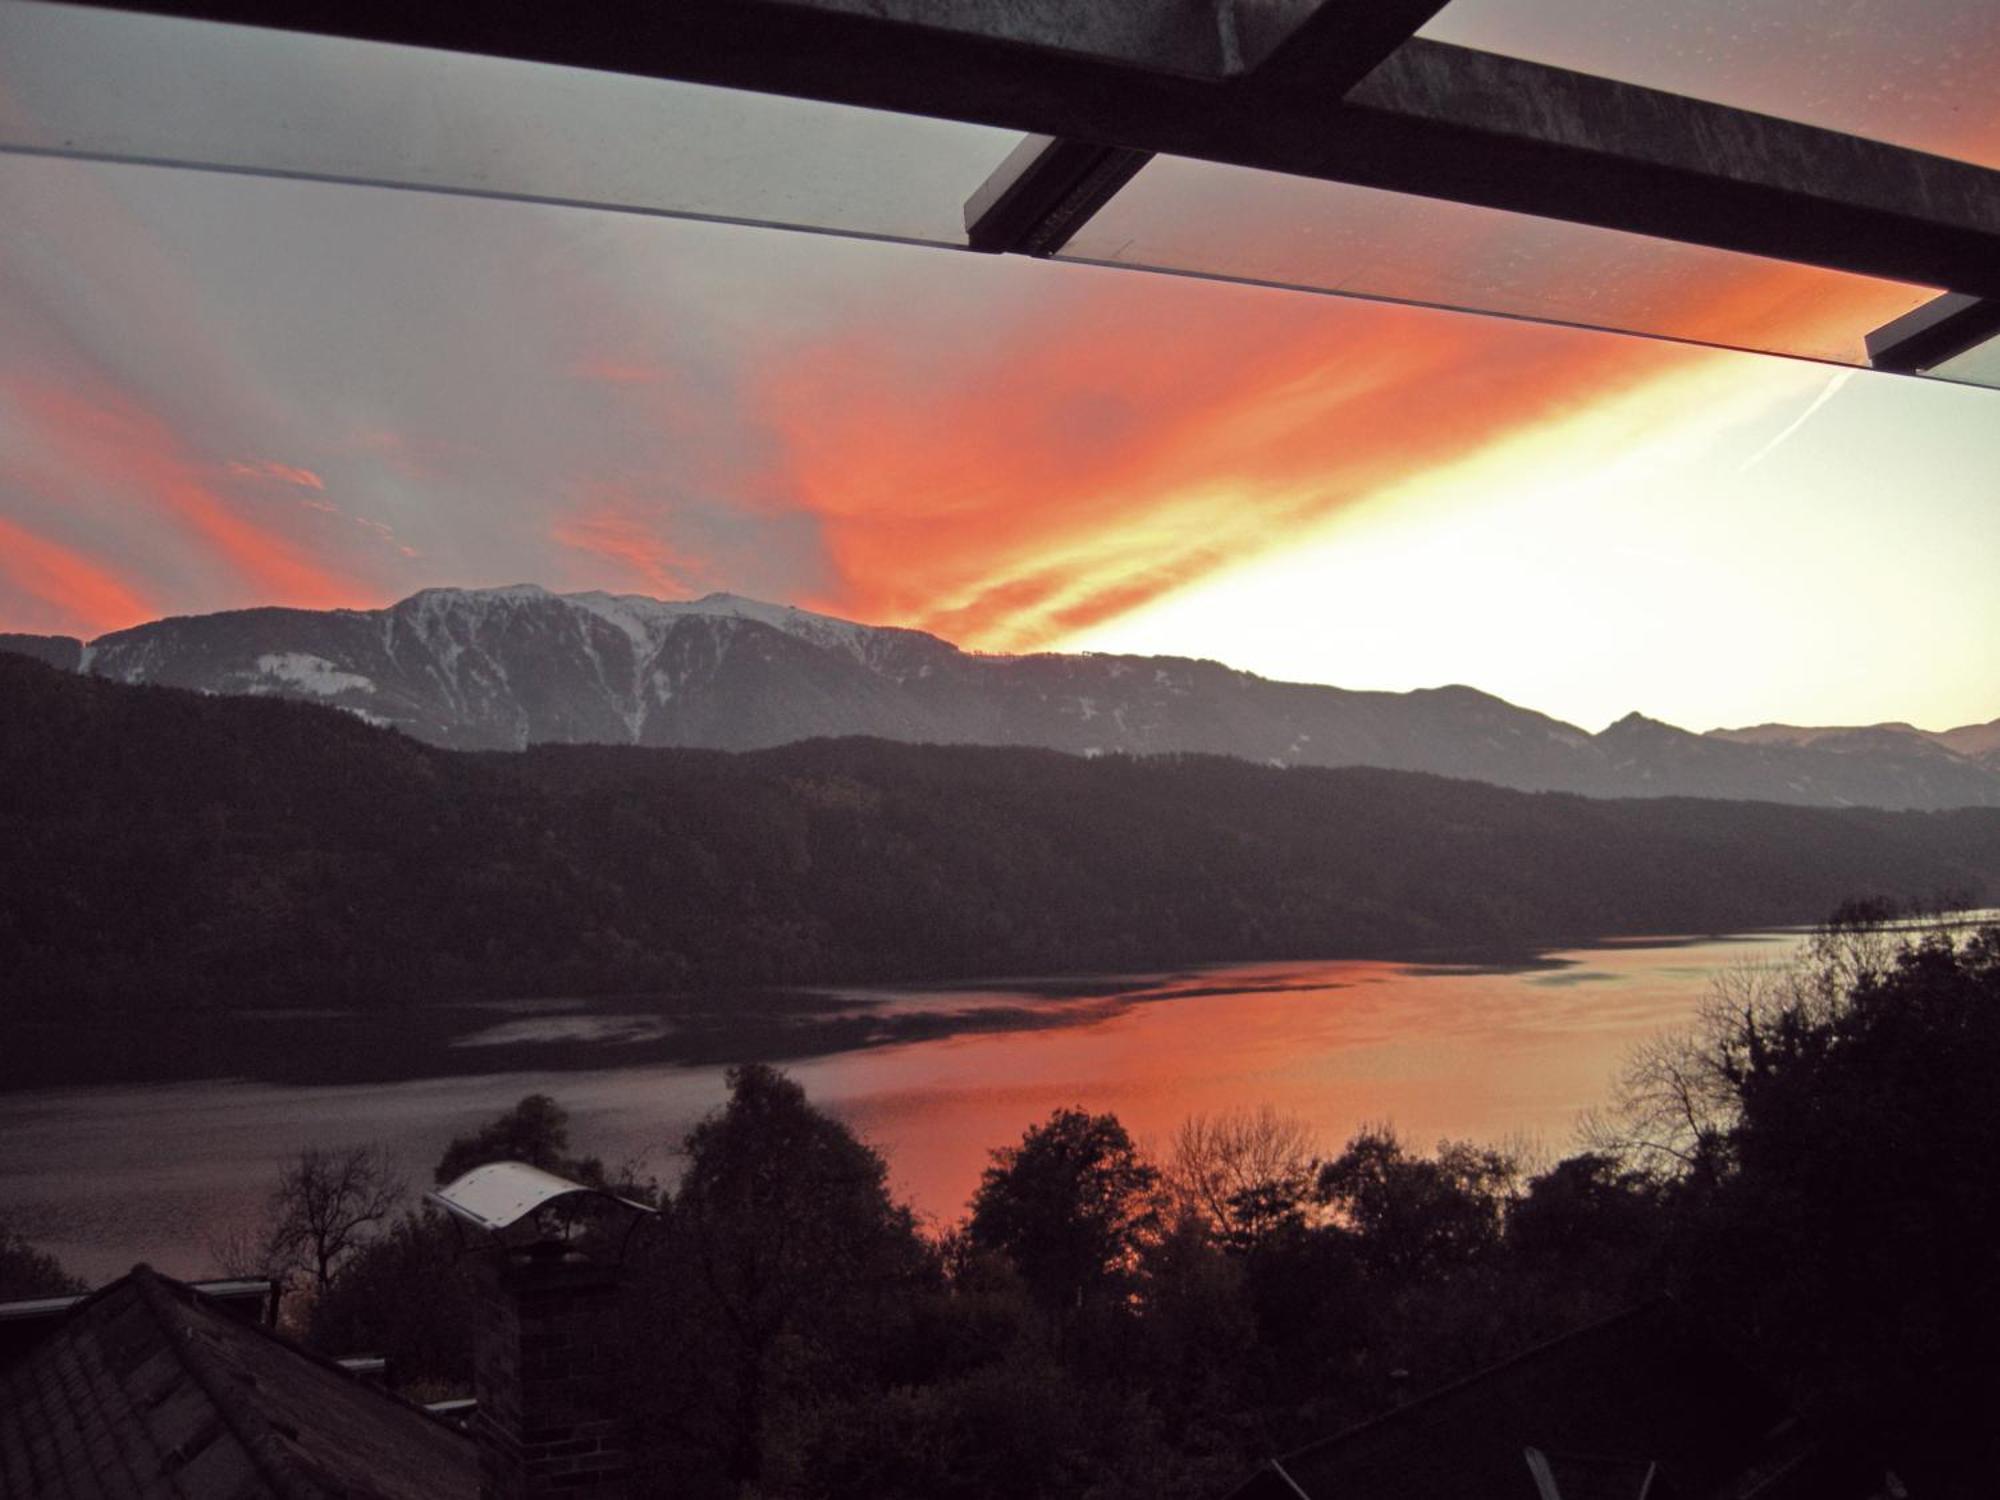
(645, 620)
(627, 612)
(312, 674)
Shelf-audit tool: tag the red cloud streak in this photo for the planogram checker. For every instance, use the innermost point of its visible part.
(101, 440)
(79, 594)
(1131, 437)
(1135, 433)
(609, 526)
(304, 479)
(1010, 480)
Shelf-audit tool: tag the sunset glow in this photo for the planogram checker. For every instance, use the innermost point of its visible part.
(102, 442)
(49, 582)
(347, 395)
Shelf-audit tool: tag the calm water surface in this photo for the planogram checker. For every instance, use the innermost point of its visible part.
(105, 1176)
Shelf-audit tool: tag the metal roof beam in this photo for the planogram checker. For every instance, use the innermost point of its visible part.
(1044, 192)
(1451, 122)
(1941, 329)
(1278, 59)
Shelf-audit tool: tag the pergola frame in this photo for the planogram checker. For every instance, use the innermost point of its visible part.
(1341, 91)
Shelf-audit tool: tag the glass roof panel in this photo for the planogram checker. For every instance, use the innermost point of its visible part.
(1977, 366)
(1229, 222)
(117, 86)
(1916, 73)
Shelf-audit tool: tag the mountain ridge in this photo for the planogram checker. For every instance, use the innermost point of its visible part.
(518, 665)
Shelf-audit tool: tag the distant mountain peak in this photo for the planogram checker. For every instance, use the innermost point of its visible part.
(1977, 743)
(447, 593)
(1980, 740)
(1636, 721)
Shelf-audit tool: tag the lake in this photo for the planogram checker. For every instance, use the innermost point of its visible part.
(108, 1174)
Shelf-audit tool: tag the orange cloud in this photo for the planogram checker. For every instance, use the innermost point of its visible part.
(1006, 473)
(1134, 433)
(305, 479)
(99, 438)
(613, 528)
(1131, 434)
(83, 595)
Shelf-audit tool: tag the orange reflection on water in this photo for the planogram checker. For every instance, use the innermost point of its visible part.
(1457, 1051)
(106, 1176)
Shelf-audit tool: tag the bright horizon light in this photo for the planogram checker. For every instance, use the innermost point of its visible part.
(1739, 565)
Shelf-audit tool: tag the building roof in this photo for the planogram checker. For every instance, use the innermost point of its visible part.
(500, 1194)
(25, 1322)
(1603, 1406)
(145, 1391)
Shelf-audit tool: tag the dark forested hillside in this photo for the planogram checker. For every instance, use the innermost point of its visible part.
(166, 848)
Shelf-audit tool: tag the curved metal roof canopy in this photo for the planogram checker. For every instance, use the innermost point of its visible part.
(500, 1194)
(1562, 171)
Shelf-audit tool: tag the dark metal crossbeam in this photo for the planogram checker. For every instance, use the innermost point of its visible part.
(1278, 59)
(1450, 122)
(1941, 329)
(1182, 77)
(1044, 192)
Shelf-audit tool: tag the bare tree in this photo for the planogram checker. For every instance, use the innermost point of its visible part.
(1679, 1096)
(243, 1251)
(1232, 1171)
(1670, 1110)
(325, 1205)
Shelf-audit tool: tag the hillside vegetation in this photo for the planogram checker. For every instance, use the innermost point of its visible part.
(167, 848)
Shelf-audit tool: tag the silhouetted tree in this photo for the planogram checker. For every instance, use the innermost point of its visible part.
(778, 1284)
(1073, 1205)
(1245, 1173)
(1853, 1239)
(1414, 1217)
(1586, 1209)
(535, 1131)
(325, 1206)
(1023, 1427)
(1673, 1102)
(26, 1271)
(406, 1295)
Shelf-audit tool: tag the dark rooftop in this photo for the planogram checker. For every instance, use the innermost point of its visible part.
(1603, 1406)
(146, 1391)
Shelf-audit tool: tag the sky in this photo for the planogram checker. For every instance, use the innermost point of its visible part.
(219, 391)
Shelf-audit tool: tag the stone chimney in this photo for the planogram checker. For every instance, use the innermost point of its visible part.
(544, 1351)
(543, 1374)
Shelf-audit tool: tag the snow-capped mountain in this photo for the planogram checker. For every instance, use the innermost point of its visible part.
(502, 668)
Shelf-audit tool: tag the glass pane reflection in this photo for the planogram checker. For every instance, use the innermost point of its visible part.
(1196, 217)
(1977, 366)
(129, 87)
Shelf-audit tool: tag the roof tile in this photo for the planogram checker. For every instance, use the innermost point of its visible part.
(144, 1393)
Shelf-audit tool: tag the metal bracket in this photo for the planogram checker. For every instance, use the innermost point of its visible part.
(1044, 192)
(1941, 329)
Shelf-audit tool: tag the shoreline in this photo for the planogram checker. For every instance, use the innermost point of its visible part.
(326, 1047)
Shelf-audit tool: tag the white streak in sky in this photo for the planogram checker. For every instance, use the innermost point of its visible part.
(1827, 393)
